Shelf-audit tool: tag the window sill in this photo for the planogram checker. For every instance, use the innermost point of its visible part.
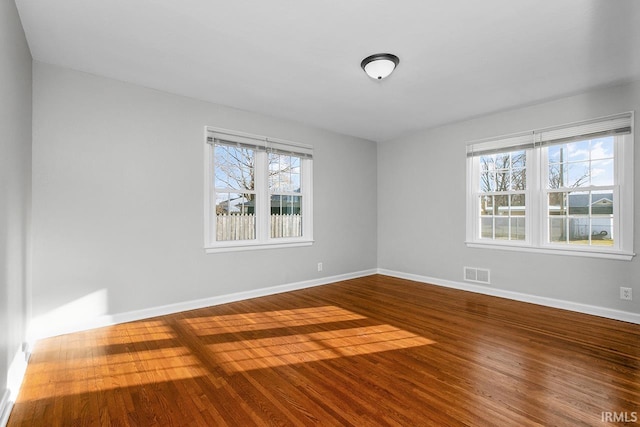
(550, 250)
(244, 246)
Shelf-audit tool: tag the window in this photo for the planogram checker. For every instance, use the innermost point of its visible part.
(285, 195)
(258, 192)
(579, 194)
(502, 195)
(566, 190)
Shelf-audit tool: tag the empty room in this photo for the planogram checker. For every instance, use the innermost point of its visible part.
(356, 213)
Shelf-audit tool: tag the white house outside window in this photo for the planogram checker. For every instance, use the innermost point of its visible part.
(566, 190)
(258, 192)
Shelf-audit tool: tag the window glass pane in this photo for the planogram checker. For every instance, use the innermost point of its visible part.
(579, 202)
(581, 164)
(275, 172)
(502, 181)
(502, 228)
(486, 227)
(286, 205)
(502, 205)
(602, 148)
(557, 154)
(557, 203)
(284, 173)
(602, 231)
(578, 150)
(503, 160)
(487, 163)
(602, 205)
(602, 172)
(518, 228)
(234, 168)
(519, 179)
(579, 231)
(274, 179)
(295, 176)
(557, 230)
(486, 205)
(235, 216)
(518, 159)
(295, 164)
(577, 174)
(235, 203)
(286, 216)
(276, 205)
(487, 182)
(518, 205)
(557, 175)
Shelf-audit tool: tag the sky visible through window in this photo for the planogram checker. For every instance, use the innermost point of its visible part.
(581, 164)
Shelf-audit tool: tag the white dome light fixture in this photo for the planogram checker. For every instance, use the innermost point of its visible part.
(380, 65)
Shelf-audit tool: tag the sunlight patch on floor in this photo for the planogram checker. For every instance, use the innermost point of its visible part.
(263, 353)
(149, 331)
(244, 322)
(77, 375)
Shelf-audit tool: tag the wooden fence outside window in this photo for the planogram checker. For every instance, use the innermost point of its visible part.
(243, 226)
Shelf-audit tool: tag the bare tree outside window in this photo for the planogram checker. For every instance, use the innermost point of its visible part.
(577, 213)
(235, 167)
(503, 172)
(235, 183)
(234, 180)
(502, 203)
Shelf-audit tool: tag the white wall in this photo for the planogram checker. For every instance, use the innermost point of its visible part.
(15, 187)
(421, 201)
(118, 203)
(118, 200)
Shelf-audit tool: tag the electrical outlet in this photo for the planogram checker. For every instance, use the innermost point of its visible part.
(626, 293)
(319, 266)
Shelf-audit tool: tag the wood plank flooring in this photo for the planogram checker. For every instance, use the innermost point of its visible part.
(372, 351)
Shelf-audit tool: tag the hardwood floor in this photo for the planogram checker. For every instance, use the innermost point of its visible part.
(369, 351)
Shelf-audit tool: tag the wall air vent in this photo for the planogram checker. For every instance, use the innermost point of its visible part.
(477, 275)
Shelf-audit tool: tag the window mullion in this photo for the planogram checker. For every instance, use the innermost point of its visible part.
(262, 196)
(537, 205)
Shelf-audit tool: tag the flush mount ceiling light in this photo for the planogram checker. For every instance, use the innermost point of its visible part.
(380, 65)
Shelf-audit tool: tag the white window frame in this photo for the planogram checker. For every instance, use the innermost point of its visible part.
(262, 240)
(536, 228)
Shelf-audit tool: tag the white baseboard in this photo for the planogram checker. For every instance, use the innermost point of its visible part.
(51, 329)
(609, 313)
(54, 328)
(5, 408)
(15, 376)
